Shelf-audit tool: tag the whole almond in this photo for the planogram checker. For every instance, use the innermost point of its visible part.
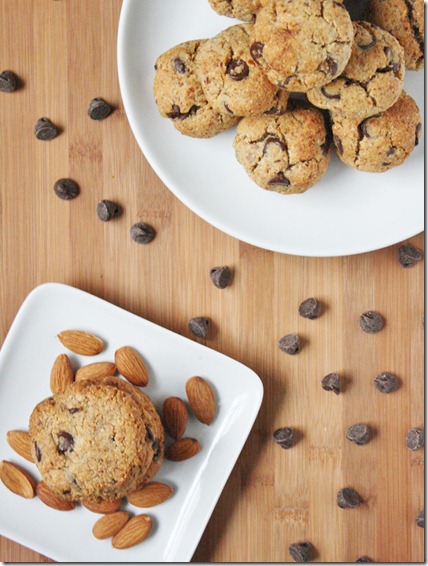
(153, 493)
(17, 480)
(174, 416)
(103, 507)
(93, 371)
(51, 499)
(19, 440)
(135, 531)
(81, 342)
(131, 366)
(61, 374)
(182, 450)
(201, 399)
(110, 525)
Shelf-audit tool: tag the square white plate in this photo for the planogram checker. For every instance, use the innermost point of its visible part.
(25, 362)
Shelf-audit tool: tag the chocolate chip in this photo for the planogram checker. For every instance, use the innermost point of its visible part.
(365, 46)
(66, 189)
(149, 434)
(142, 233)
(221, 276)
(371, 322)
(106, 210)
(363, 559)
(285, 437)
(415, 439)
(276, 141)
(310, 308)
(328, 95)
(279, 179)
(156, 445)
(331, 382)
(73, 410)
(227, 108)
(290, 344)
(176, 113)
(179, 66)
(420, 519)
(65, 442)
(199, 326)
(338, 144)
(332, 66)
(45, 130)
(408, 256)
(256, 50)
(391, 151)
(358, 433)
(9, 82)
(301, 551)
(418, 133)
(386, 382)
(99, 109)
(363, 128)
(348, 498)
(237, 69)
(38, 452)
(275, 110)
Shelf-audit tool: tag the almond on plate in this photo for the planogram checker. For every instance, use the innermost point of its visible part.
(93, 371)
(19, 440)
(182, 450)
(17, 480)
(61, 374)
(153, 493)
(52, 499)
(130, 364)
(81, 342)
(201, 399)
(174, 416)
(110, 525)
(135, 531)
(103, 507)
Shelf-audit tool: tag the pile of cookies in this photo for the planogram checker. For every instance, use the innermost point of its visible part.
(349, 76)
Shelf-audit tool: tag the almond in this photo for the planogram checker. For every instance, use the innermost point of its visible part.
(131, 366)
(110, 525)
(154, 493)
(81, 342)
(19, 440)
(61, 374)
(103, 507)
(52, 499)
(201, 399)
(17, 480)
(182, 450)
(175, 417)
(93, 371)
(135, 531)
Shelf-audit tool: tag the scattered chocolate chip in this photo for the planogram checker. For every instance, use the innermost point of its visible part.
(199, 326)
(338, 144)
(290, 344)
(176, 113)
(142, 233)
(348, 498)
(256, 50)
(221, 276)
(179, 66)
(363, 559)
(279, 179)
(331, 382)
(237, 69)
(66, 189)
(65, 442)
(328, 95)
(285, 437)
(332, 66)
(408, 255)
(73, 410)
(9, 82)
(106, 210)
(310, 308)
(38, 452)
(391, 151)
(358, 433)
(99, 109)
(45, 130)
(362, 127)
(418, 133)
(301, 551)
(420, 519)
(386, 382)
(371, 322)
(415, 439)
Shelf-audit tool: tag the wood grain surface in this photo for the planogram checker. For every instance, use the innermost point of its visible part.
(65, 52)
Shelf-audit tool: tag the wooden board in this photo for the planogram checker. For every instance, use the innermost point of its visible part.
(65, 51)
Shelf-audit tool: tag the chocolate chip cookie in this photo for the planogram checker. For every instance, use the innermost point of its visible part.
(179, 95)
(232, 82)
(380, 142)
(371, 81)
(244, 10)
(287, 153)
(404, 19)
(302, 44)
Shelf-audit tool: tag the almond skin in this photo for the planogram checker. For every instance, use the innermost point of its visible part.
(93, 371)
(135, 531)
(51, 499)
(103, 507)
(174, 416)
(154, 493)
(201, 399)
(61, 374)
(17, 480)
(131, 366)
(110, 525)
(81, 342)
(19, 440)
(182, 450)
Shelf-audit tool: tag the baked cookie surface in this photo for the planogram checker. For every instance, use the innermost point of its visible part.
(244, 10)
(371, 81)
(380, 142)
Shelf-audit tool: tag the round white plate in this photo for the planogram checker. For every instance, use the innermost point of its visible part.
(348, 212)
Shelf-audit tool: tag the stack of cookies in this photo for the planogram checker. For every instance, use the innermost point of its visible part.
(96, 441)
(349, 76)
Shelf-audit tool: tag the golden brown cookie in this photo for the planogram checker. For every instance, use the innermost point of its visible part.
(244, 10)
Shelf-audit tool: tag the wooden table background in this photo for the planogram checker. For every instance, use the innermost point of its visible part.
(65, 52)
